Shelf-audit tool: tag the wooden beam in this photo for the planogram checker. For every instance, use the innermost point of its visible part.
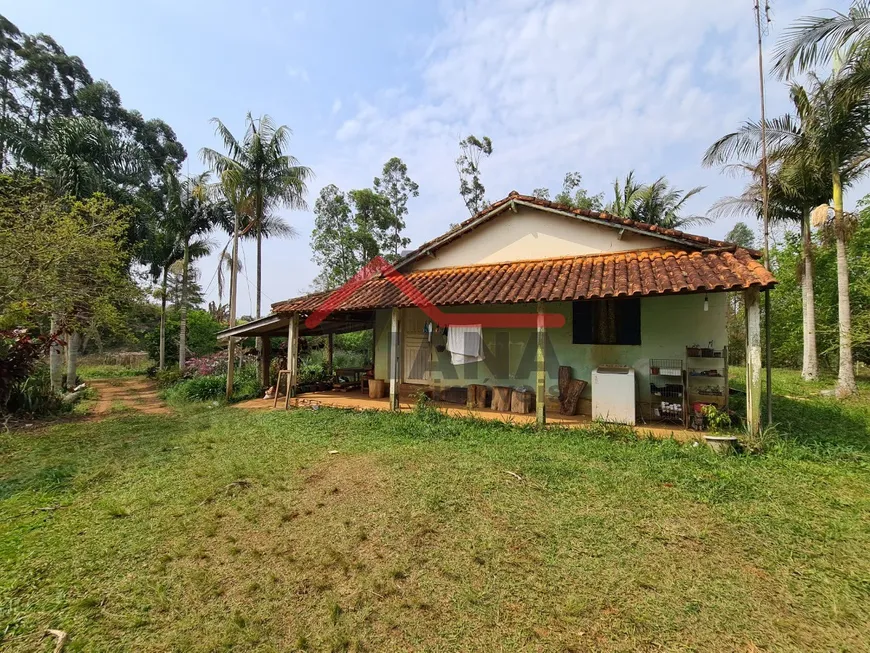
(329, 348)
(266, 361)
(541, 372)
(292, 356)
(753, 360)
(395, 358)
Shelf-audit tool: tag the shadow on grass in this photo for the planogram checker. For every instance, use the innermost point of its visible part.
(823, 424)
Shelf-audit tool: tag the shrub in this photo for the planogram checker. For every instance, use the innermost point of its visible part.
(168, 377)
(19, 354)
(33, 395)
(202, 331)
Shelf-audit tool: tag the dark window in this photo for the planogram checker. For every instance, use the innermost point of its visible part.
(607, 322)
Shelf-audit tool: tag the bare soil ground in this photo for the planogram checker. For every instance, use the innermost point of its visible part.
(133, 393)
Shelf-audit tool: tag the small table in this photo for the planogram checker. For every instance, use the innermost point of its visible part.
(356, 374)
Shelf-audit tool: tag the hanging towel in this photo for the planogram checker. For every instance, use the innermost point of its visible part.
(465, 344)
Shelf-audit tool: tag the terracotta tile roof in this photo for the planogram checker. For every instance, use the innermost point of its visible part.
(638, 273)
(601, 217)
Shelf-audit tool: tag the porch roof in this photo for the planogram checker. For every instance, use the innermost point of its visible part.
(627, 274)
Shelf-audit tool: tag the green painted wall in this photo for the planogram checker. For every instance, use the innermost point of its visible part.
(668, 325)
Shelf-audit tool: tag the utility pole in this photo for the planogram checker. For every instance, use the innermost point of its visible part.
(764, 196)
(233, 274)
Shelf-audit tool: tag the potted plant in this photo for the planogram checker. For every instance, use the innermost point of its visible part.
(718, 421)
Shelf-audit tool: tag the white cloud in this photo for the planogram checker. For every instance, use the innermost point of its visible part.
(596, 87)
(336, 106)
(296, 72)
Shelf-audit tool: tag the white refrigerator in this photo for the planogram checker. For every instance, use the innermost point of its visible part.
(613, 394)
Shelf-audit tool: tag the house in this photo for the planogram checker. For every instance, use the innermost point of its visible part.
(552, 286)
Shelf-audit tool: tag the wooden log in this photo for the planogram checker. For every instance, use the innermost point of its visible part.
(501, 398)
(521, 401)
(564, 379)
(476, 396)
(568, 406)
(377, 388)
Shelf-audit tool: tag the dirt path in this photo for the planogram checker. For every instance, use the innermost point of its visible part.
(131, 393)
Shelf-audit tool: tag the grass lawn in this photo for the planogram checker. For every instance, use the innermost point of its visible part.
(218, 529)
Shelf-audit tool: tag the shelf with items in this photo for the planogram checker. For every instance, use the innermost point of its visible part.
(667, 386)
(706, 377)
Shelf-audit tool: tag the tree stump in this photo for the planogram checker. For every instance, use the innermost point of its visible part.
(564, 379)
(521, 401)
(377, 389)
(568, 406)
(501, 398)
(476, 396)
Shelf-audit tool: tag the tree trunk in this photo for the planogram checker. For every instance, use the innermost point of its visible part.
(810, 371)
(259, 226)
(846, 378)
(55, 357)
(72, 359)
(233, 276)
(162, 363)
(182, 327)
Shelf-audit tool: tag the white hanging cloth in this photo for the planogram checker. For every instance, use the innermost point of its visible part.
(465, 344)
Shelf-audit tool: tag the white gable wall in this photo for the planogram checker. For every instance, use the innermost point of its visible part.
(532, 234)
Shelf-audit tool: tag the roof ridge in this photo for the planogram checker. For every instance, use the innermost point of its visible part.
(603, 217)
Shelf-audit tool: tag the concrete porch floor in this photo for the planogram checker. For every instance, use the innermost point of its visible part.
(357, 400)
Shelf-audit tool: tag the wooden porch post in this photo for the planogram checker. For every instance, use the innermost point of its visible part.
(395, 343)
(753, 360)
(266, 361)
(292, 355)
(541, 394)
(329, 345)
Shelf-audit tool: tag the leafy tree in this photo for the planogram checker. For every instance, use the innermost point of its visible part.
(61, 257)
(742, 235)
(349, 231)
(662, 205)
(268, 177)
(163, 248)
(574, 195)
(333, 241)
(395, 185)
(471, 189)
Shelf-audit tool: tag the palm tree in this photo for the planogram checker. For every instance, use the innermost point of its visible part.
(814, 40)
(269, 177)
(795, 186)
(191, 213)
(626, 197)
(162, 249)
(836, 114)
(661, 205)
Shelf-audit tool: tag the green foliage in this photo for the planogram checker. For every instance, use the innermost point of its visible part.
(395, 185)
(742, 235)
(168, 377)
(202, 331)
(213, 387)
(717, 420)
(33, 396)
(61, 255)
(473, 193)
(657, 203)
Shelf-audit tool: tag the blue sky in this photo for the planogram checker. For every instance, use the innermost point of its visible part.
(599, 87)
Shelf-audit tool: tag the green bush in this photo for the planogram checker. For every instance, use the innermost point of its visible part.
(202, 331)
(33, 396)
(213, 388)
(168, 377)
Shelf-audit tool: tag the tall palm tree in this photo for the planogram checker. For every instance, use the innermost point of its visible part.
(795, 186)
(162, 249)
(191, 214)
(836, 114)
(269, 176)
(813, 41)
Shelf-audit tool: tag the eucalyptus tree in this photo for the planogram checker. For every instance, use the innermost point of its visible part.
(268, 176)
(472, 190)
(395, 185)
